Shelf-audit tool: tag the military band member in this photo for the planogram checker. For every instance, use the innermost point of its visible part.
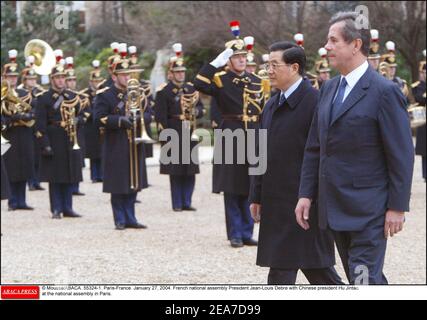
(71, 84)
(374, 50)
(419, 93)
(5, 186)
(228, 88)
(19, 120)
(390, 59)
(93, 137)
(251, 64)
(27, 91)
(174, 112)
(322, 67)
(57, 119)
(123, 159)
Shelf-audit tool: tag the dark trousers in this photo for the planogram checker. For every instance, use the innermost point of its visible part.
(61, 197)
(424, 165)
(321, 276)
(362, 253)
(75, 187)
(124, 208)
(96, 170)
(34, 181)
(239, 222)
(182, 188)
(17, 195)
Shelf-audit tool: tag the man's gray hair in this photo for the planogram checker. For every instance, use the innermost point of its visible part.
(351, 31)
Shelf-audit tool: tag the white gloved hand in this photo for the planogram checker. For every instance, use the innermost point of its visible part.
(222, 58)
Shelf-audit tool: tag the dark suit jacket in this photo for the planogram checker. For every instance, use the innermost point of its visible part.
(360, 164)
(282, 242)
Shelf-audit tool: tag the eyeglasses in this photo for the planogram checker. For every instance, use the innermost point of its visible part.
(273, 66)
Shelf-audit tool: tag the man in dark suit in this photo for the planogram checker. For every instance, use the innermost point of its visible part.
(359, 156)
(283, 245)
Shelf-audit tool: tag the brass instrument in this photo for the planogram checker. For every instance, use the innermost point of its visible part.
(68, 116)
(136, 104)
(12, 104)
(188, 102)
(44, 58)
(254, 97)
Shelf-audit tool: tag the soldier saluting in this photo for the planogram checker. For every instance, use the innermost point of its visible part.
(57, 117)
(231, 90)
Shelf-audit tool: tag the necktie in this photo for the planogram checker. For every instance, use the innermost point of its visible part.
(282, 99)
(336, 106)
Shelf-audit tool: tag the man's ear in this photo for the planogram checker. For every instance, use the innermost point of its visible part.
(358, 44)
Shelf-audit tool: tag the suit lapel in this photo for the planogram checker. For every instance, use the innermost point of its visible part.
(357, 93)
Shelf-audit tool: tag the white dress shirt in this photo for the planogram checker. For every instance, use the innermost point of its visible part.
(291, 89)
(352, 78)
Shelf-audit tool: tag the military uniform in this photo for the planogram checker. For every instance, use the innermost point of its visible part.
(61, 166)
(5, 188)
(19, 159)
(29, 95)
(110, 114)
(170, 116)
(233, 179)
(172, 112)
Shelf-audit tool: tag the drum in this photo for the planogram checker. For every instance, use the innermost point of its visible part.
(417, 115)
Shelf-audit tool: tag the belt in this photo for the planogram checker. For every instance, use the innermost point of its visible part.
(240, 117)
(177, 117)
(56, 123)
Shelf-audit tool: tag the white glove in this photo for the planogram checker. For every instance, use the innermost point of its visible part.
(222, 58)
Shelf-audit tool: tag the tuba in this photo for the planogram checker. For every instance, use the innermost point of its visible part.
(44, 58)
(188, 103)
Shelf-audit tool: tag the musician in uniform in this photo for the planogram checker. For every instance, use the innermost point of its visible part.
(389, 63)
(123, 158)
(5, 186)
(18, 118)
(57, 117)
(27, 91)
(177, 104)
(419, 93)
(229, 88)
(322, 67)
(93, 136)
(374, 56)
(71, 84)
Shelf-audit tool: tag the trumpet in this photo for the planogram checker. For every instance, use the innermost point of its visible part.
(188, 103)
(136, 104)
(68, 115)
